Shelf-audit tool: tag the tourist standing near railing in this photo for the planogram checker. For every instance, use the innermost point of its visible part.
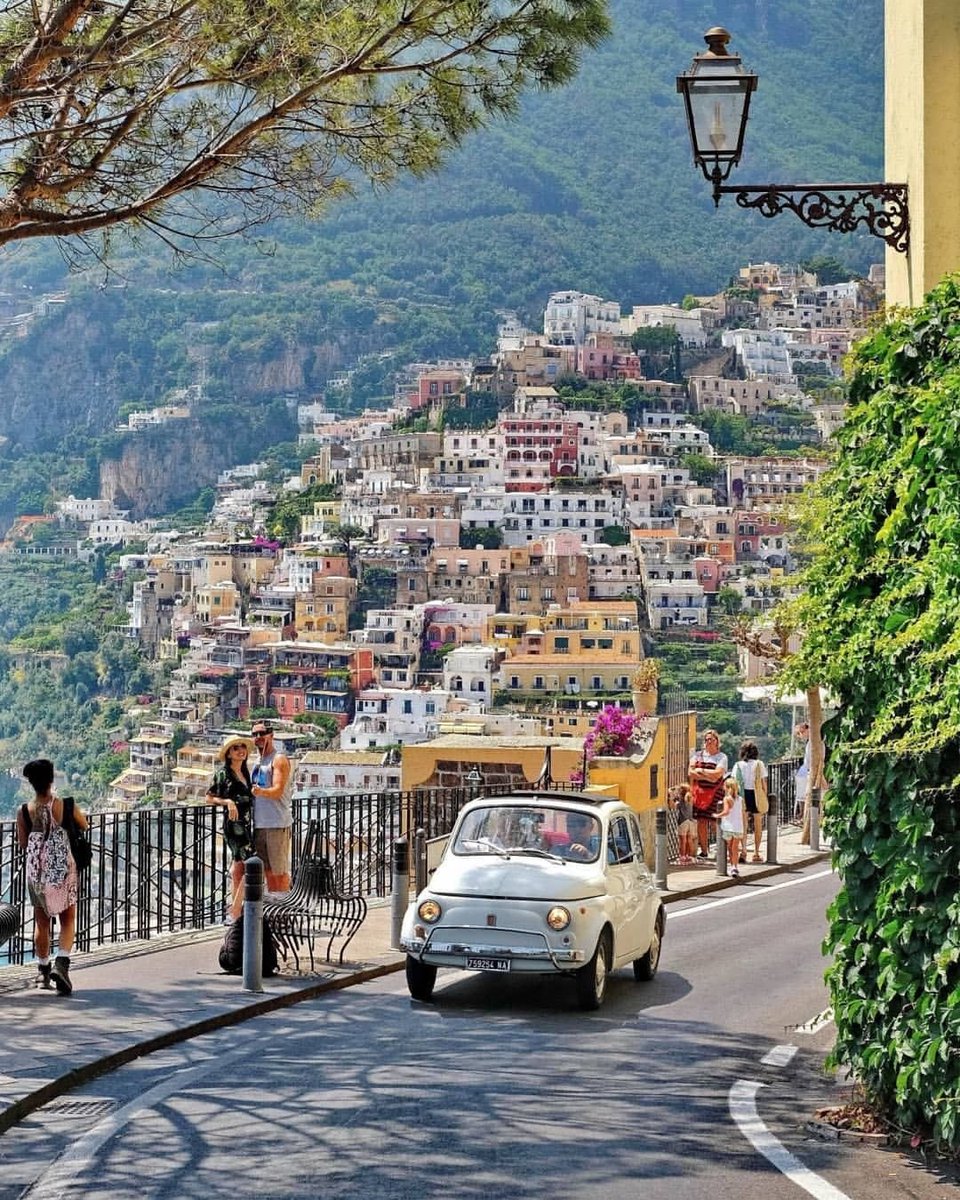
(51, 873)
(272, 812)
(802, 783)
(231, 791)
(705, 775)
(747, 770)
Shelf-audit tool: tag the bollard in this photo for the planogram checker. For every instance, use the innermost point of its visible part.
(773, 830)
(815, 818)
(400, 890)
(253, 925)
(721, 852)
(661, 850)
(419, 861)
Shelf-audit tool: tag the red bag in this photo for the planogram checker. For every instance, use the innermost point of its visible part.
(706, 796)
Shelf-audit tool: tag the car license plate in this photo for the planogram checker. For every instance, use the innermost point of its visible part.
(487, 964)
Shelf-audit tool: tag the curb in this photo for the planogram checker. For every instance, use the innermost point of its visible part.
(833, 1133)
(719, 883)
(79, 1075)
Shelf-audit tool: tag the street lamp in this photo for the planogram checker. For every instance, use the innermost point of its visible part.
(474, 778)
(716, 93)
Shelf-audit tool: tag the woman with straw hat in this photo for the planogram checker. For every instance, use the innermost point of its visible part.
(230, 791)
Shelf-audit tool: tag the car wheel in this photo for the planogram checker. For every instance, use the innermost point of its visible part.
(592, 978)
(420, 979)
(645, 968)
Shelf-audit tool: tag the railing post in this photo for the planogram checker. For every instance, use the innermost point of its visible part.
(253, 925)
(661, 850)
(773, 829)
(419, 860)
(814, 818)
(400, 889)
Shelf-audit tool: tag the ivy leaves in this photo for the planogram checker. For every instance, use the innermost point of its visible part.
(881, 619)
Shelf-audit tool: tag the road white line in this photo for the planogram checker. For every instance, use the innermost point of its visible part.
(62, 1173)
(779, 1056)
(751, 895)
(743, 1109)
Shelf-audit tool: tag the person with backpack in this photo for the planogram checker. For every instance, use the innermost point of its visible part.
(708, 767)
(43, 831)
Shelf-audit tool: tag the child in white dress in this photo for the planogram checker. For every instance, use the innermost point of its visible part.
(731, 822)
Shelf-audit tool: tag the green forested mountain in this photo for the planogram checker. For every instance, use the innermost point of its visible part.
(592, 187)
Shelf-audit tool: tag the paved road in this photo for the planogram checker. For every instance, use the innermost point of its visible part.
(501, 1088)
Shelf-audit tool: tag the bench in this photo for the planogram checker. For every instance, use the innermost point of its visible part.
(10, 921)
(312, 910)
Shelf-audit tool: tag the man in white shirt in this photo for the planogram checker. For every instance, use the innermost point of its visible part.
(802, 777)
(272, 812)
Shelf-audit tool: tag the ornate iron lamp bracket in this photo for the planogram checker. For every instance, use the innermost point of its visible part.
(881, 208)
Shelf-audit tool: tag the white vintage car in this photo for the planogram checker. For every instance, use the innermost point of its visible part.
(551, 882)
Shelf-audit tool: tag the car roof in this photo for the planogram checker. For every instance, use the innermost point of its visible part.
(593, 799)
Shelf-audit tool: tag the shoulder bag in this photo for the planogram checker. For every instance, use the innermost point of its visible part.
(760, 790)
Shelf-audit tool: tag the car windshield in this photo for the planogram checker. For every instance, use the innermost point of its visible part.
(529, 828)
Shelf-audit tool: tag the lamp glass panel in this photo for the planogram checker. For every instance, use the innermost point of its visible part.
(716, 108)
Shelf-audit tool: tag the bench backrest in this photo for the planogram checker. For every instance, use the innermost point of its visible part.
(315, 877)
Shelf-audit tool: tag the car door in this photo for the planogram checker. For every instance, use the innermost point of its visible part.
(627, 872)
(647, 895)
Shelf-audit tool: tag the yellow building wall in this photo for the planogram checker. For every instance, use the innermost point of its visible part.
(419, 762)
(922, 140)
(557, 670)
(643, 784)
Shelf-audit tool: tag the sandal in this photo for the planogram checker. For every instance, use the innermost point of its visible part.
(756, 858)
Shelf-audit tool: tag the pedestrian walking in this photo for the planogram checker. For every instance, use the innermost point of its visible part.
(272, 812)
(51, 872)
(232, 791)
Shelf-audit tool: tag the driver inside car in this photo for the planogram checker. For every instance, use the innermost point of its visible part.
(584, 833)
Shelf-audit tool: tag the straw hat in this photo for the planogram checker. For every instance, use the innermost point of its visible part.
(236, 739)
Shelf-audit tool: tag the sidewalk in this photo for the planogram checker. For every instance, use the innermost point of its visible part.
(136, 998)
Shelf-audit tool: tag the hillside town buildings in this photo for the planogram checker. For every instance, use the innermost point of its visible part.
(496, 585)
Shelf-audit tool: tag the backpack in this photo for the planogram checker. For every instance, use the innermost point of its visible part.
(231, 950)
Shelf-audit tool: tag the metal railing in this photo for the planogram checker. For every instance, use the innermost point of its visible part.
(157, 871)
(782, 789)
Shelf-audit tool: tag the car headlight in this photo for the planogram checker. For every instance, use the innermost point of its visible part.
(429, 911)
(558, 918)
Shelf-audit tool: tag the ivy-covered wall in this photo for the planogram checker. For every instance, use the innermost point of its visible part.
(881, 621)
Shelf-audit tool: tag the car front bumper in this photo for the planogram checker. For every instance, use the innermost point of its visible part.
(446, 948)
